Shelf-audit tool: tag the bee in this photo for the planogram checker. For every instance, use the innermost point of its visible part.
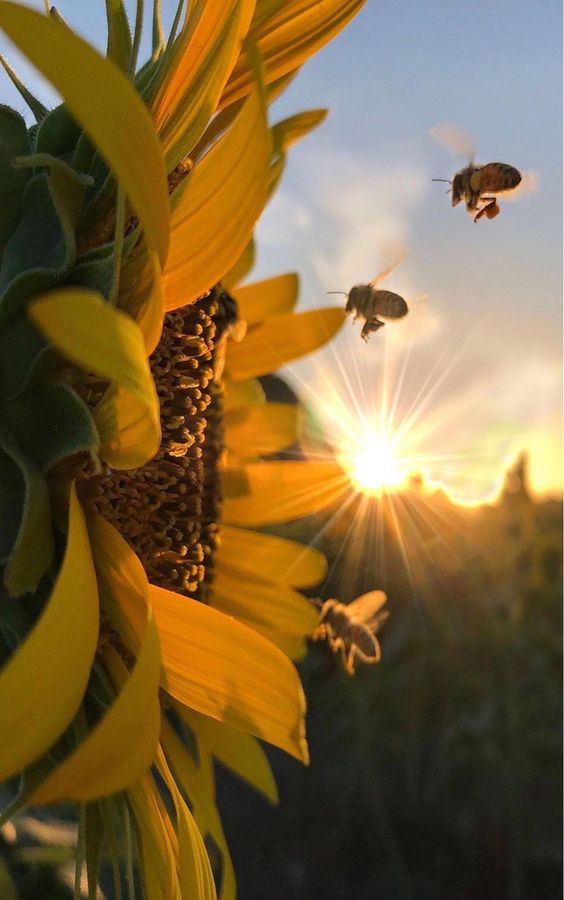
(368, 301)
(478, 186)
(351, 629)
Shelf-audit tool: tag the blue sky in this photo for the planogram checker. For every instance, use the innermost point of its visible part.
(482, 353)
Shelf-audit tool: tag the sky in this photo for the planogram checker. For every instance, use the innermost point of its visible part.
(474, 372)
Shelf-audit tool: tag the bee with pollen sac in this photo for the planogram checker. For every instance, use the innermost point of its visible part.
(350, 629)
(479, 185)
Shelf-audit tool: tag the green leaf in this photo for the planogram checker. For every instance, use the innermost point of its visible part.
(50, 424)
(35, 105)
(42, 249)
(32, 552)
(25, 356)
(119, 35)
(14, 141)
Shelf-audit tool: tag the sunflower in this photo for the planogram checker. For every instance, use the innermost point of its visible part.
(146, 630)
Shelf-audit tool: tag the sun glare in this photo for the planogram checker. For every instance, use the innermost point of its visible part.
(374, 469)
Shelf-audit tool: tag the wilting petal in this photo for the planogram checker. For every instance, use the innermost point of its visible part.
(43, 683)
(225, 670)
(195, 876)
(236, 750)
(264, 557)
(288, 36)
(105, 341)
(218, 207)
(203, 58)
(158, 852)
(122, 745)
(280, 491)
(278, 340)
(272, 297)
(198, 783)
(114, 117)
(264, 429)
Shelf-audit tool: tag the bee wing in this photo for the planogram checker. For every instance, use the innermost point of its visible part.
(529, 184)
(454, 139)
(393, 254)
(365, 608)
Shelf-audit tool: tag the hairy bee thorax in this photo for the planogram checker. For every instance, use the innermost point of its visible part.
(168, 510)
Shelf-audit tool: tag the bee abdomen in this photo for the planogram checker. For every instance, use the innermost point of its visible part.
(389, 304)
(499, 177)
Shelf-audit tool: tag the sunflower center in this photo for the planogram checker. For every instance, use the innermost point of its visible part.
(168, 510)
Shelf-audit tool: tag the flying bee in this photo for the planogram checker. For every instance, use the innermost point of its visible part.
(368, 301)
(351, 629)
(479, 185)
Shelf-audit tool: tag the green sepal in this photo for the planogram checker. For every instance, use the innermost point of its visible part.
(119, 35)
(50, 424)
(42, 249)
(96, 274)
(35, 105)
(14, 141)
(25, 357)
(58, 133)
(94, 838)
(33, 549)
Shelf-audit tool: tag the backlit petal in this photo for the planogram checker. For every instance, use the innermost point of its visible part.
(272, 297)
(278, 340)
(280, 491)
(225, 670)
(265, 557)
(218, 207)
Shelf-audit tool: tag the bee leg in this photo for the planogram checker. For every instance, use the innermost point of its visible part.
(349, 662)
(369, 326)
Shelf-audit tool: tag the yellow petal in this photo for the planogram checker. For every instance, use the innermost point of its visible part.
(122, 745)
(239, 394)
(107, 106)
(278, 340)
(264, 429)
(262, 299)
(275, 610)
(264, 557)
(241, 267)
(218, 207)
(227, 671)
(210, 662)
(292, 33)
(280, 491)
(105, 341)
(203, 58)
(195, 876)
(43, 683)
(238, 751)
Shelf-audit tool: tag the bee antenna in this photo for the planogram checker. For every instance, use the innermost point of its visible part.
(344, 293)
(446, 181)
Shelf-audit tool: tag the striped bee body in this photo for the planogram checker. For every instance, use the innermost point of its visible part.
(350, 630)
(478, 187)
(367, 302)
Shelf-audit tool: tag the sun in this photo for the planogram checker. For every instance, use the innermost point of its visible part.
(374, 468)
